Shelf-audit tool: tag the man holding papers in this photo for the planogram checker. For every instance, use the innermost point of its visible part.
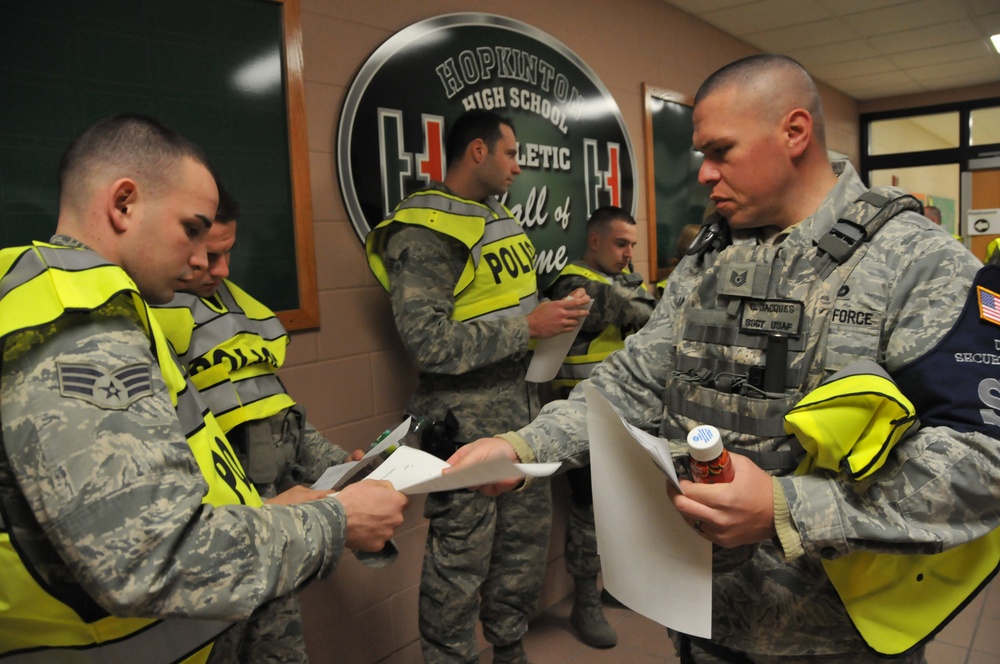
(793, 280)
(458, 270)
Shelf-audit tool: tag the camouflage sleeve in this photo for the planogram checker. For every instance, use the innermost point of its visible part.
(613, 304)
(315, 454)
(939, 487)
(632, 379)
(118, 493)
(425, 266)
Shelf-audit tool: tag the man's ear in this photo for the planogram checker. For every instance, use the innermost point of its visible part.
(593, 240)
(798, 131)
(122, 195)
(478, 150)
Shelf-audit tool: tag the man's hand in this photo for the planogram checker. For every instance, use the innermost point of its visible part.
(740, 512)
(482, 450)
(356, 455)
(374, 511)
(557, 316)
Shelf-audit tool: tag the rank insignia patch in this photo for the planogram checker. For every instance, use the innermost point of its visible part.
(114, 390)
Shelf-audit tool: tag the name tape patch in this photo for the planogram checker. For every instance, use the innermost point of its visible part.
(772, 317)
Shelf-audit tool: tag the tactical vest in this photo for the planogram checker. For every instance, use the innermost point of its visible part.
(586, 353)
(498, 280)
(231, 345)
(38, 620)
(752, 345)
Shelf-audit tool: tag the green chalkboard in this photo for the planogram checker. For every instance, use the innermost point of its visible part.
(674, 195)
(215, 70)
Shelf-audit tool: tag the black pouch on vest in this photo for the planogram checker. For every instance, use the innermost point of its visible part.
(439, 437)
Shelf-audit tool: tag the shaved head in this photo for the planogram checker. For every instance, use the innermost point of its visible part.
(772, 85)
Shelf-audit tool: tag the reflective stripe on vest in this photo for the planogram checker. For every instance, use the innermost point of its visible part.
(498, 280)
(231, 345)
(585, 354)
(848, 424)
(41, 284)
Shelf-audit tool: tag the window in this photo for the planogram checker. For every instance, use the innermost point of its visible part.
(917, 133)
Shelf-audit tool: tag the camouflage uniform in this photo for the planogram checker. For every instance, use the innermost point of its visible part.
(277, 451)
(117, 493)
(493, 548)
(938, 489)
(626, 304)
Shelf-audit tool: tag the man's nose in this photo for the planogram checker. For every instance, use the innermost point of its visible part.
(220, 269)
(199, 259)
(707, 173)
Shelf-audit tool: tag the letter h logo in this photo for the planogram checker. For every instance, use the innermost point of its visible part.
(396, 165)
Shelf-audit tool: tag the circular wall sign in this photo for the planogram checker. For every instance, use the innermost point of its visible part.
(573, 147)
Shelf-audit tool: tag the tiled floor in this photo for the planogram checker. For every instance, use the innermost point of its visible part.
(971, 638)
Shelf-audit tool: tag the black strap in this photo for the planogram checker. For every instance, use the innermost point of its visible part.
(861, 222)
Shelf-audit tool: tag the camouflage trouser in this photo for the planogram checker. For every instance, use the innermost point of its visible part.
(272, 635)
(582, 558)
(697, 651)
(480, 546)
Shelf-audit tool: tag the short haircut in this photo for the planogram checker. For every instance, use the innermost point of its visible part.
(128, 145)
(229, 207)
(603, 216)
(756, 70)
(932, 212)
(468, 127)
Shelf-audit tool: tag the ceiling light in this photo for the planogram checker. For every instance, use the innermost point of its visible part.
(996, 42)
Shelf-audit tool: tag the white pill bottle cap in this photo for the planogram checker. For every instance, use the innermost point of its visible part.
(704, 443)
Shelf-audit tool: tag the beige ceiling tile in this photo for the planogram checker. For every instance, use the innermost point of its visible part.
(810, 56)
(990, 23)
(859, 91)
(917, 14)
(984, 66)
(844, 7)
(827, 31)
(834, 72)
(960, 80)
(929, 36)
(982, 7)
(765, 15)
(886, 78)
(699, 7)
(942, 54)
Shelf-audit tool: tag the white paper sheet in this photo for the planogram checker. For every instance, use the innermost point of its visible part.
(652, 561)
(335, 477)
(414, 471)
(549, 354)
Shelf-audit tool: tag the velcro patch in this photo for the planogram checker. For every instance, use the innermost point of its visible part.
(737, 279)
(772, 317)
(395, 265)
(989, 305)
(116, 390)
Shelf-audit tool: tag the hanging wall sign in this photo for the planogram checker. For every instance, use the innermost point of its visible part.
(573, 147)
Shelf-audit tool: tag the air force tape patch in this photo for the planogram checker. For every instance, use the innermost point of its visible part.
(114, 390)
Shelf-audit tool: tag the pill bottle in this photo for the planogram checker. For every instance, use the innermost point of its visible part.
(708, 460)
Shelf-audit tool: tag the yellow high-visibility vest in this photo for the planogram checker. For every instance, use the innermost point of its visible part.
(849, 424)
(498, 279)
(40, 284)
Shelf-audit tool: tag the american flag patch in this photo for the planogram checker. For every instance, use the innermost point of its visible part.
(989, 305)
(114, 390)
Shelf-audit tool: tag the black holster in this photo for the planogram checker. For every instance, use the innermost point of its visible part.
(439, 437)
